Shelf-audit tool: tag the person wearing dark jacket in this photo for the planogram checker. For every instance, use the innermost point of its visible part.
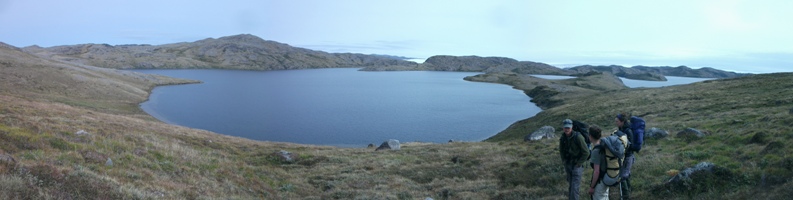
(574, 153)
(624, 126)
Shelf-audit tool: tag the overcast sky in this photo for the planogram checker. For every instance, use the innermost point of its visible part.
(745, 36)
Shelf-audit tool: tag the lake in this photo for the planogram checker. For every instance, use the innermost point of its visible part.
(339, 107)
(346, 107)
(670, 81)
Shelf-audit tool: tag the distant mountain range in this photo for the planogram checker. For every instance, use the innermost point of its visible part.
(232, 52)
(509, 65)
(253, 53)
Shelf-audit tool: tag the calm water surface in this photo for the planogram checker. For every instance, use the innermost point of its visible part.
(670, 81)
(340, 107)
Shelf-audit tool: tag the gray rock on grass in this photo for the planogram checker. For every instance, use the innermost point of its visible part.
(391, 144)
(543, 132)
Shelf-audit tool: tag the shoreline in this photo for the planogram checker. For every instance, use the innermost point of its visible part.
(493, 131)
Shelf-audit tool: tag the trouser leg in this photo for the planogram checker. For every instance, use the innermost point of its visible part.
(575, 184)
(568, 169)
(574, 174)
(625, 185)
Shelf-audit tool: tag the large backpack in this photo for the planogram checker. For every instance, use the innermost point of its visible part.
(582, 128)
(637, 126)
(612, 150)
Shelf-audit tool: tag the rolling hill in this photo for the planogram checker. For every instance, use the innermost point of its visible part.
(70, 130)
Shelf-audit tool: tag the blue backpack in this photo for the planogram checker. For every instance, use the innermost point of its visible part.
(637, 126)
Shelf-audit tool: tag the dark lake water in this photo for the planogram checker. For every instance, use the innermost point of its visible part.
(339, 107)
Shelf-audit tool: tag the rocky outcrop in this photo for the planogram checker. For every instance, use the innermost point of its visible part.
(284, 156)
(621, 71)
(465, 63)
(690, 133)
(544, 93)
(232, 52)
(684, 71)
(509, 65)
(476, 64)
(543, 132)
(528, 67)
(700, 178)
(656, 133)
(391, 144)
(640, 72)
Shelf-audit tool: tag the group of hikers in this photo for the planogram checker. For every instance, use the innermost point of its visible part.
(611, 156)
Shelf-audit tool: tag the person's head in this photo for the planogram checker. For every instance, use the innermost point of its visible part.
(621, 119)
(567, 126)
(595, 133)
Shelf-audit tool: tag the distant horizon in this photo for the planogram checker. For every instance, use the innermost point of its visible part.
(566, 65)
(734, 35)
(561, 65)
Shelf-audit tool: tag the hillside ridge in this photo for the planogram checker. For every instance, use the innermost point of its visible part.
(243, 51)
(249, 52)
(503, 64)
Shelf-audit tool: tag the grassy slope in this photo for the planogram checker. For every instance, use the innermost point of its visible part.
(38, 126)
(747, 120)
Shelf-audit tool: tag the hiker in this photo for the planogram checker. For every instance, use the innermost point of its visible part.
(574, 153)
(624, 126)
(597, 190)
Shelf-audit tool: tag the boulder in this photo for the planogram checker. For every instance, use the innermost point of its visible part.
(699, 178)
(656, 133)
(370, 145)
(391, 144)
(685, 175)
(690, 133)
(81, 132)
(285, 156)
(543, 132)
